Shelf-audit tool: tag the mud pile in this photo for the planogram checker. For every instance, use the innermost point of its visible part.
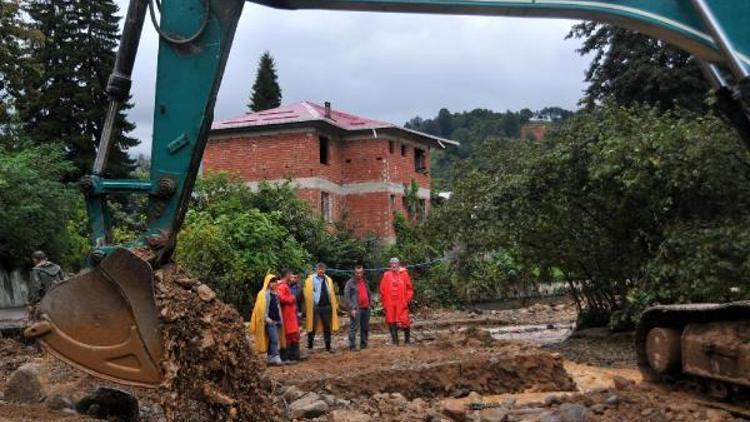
(210, 370)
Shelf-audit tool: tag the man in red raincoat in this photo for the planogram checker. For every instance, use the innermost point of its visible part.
(289, 314)
(396, 292)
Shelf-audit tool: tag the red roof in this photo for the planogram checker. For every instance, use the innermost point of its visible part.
(306, 111)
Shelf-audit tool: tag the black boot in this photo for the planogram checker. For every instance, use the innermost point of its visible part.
(296, 355)
(284, 355)
(310, 338)
(327, 340)
(394, 334)
(407, 335)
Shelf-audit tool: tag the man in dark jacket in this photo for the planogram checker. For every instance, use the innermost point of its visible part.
(358, 298)
(44, 275)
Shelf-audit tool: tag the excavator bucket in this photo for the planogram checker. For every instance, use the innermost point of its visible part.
(105, 321)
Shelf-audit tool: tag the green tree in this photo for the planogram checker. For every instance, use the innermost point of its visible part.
(36, 207)
(66, 101)
(266, 90)
(630, 206)
(629, 68)
(16, 37)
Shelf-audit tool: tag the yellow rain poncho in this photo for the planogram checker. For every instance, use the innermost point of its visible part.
(308, 292)
(257, 326)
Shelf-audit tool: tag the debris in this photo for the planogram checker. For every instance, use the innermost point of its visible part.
(209, 366)
(59, 402)
(572, 412)
(292, 393)
(309, 406)
(25, 385)
(205, 293)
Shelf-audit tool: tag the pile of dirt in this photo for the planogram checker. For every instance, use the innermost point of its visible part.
(210, 370)
(449, 365)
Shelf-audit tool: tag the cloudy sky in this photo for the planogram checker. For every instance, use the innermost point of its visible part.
(387, 66)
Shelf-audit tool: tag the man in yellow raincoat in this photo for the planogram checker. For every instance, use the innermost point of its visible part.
(321, 306)
(267, 323)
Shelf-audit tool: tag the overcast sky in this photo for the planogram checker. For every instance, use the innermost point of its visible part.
(388, 67)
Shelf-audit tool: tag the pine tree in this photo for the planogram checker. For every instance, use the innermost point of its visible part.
(629, 68)
(16, 37)
(266, 90)
(67, 102)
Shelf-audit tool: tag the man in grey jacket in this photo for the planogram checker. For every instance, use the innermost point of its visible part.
(358, 298)
(44, 275)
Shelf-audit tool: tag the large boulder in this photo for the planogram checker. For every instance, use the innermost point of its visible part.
(309, 406)
(25, 385)
(109, 403)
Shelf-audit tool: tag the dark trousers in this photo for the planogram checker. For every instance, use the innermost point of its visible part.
(322, 314)
(361, 322)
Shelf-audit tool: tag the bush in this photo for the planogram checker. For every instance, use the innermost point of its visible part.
(37, 208)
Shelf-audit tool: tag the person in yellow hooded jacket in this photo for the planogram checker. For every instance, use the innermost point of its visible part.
(321, 306)
(266, 322)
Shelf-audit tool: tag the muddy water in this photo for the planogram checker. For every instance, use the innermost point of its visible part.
(538, 334)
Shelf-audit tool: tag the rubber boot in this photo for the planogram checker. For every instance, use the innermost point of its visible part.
(394, 334)
(407, 335)
(327, 340)
(284, 355)
(310, 338)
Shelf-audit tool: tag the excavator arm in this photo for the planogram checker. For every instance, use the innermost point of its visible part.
(105, 320)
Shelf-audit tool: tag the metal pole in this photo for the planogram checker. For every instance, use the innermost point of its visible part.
(712, 74)
(118, 86)
(721, 39)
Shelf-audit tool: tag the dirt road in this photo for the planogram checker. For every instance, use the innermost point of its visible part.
(511, 365)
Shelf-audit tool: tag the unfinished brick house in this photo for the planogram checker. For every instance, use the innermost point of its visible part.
(345, 166)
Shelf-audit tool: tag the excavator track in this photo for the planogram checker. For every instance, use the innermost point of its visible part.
(732, 393)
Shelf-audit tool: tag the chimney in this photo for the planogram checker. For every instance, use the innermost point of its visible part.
(328, 109)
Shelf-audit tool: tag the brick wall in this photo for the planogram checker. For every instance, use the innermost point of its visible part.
(359, 160)
(534, 129)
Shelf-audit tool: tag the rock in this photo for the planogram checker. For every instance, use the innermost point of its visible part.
(329, 399)
(621, 382)
(152, 413)
(344, 415)
(598, 408)
(205, 293)
(435, 416)
(25, 385)
(612, 400)
(399, 400)
(59, 402)
(381, 396)
(475, 397)
(571, 412)
(292, 393)
(109, 403)
(493, 414)
(417, 406)
(461, 392)
(551, 400)
(455, 409)
(309, 406)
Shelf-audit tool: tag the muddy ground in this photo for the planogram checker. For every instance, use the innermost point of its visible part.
(504, 365)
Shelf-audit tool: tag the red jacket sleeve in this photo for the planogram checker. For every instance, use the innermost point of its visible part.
(383, 295)
(408, 286)
(285, 295)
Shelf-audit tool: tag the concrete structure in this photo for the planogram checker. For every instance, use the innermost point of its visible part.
(346, 167)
